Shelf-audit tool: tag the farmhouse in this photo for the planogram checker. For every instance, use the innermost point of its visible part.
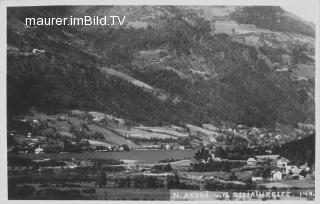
(251, 162)
(276, 175)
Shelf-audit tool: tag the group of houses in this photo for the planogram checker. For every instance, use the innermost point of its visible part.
(280, 168)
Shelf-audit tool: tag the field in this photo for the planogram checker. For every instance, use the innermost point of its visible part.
(137, 133)
(221, 174)
(152, 132)
(115, 134)
(63, 126)
(228, 26)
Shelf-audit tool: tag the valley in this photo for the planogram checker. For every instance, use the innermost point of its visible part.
(192, 98)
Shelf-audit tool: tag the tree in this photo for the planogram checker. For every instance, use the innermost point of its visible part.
(310, 157)
(173, 181)
(102, 179)
(233, 176)
(303, 173)
(125, 147)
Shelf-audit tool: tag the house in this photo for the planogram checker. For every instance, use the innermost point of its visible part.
(39, 150)
(167, 146)
(256, 178)
(212, 139)
(293, 169)
(268, 151)
(251, 162)
(37, 51)
(217, 159)
(70, 165)
(276, 175)
(283, 162)
(98, 119)
(282, 70)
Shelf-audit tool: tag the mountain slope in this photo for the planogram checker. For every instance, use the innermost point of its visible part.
(211, 77)
(273, 18)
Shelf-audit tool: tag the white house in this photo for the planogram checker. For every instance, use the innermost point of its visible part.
(251, 162)
(39, 150)
(36, 51)
(218, 159)
(277, 175)
(256, 178)
(181, 147)
(294, 169)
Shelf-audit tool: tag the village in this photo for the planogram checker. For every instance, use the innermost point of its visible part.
(70, 150)
(261, 172)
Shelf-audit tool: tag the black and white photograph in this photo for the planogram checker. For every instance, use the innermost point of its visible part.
(160, 102)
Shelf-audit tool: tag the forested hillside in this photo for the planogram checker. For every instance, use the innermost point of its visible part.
(299, 150)
(214, 77)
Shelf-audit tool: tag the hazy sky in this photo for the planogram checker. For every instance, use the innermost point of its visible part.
(305, 11)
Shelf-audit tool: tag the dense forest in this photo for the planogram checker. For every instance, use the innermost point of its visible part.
(299, 150)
